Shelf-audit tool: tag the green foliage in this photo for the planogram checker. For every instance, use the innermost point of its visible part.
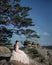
(16, 15)
(33, 52)
(34, 36)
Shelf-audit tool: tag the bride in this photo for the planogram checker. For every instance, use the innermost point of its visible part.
(19, 55)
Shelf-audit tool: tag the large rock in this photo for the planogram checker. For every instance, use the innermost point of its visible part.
(42, 52)
(4, 52)
(16, 63)
(3, 62)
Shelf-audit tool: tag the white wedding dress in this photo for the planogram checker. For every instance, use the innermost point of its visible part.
(19, 55)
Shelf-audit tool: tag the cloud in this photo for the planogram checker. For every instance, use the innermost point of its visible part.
(46, 34)
(22, 36)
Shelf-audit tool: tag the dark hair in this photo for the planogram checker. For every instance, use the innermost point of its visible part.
(15, 44)
(16, 41)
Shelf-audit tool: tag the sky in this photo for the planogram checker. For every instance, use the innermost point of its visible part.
(41, 15)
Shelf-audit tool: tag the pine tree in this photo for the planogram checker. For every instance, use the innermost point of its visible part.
(16, 15)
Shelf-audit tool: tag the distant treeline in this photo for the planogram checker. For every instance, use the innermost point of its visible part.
(49, 47)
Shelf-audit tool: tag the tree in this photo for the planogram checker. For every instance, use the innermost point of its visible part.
(16, 15)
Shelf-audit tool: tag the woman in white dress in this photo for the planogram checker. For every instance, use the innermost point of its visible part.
(19, 55)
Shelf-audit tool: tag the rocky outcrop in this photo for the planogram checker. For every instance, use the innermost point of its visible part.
(4, 62)
(38, 53)
(4, 52)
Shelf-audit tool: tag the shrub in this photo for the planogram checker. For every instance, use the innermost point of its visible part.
(33, 52)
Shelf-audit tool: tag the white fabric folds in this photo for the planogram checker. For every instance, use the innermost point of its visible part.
(20, 56)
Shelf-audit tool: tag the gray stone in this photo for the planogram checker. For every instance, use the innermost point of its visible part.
(4, 51)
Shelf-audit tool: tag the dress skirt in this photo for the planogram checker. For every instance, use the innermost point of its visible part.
(20, 56)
